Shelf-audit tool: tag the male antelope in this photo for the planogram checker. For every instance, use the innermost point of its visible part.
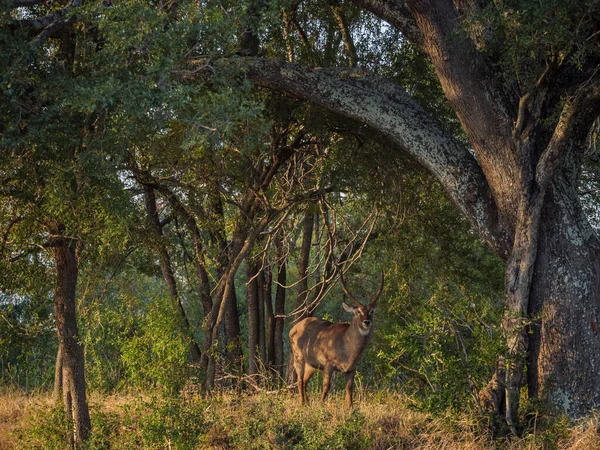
(319, 344)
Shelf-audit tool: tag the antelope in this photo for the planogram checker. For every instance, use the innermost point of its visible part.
(322, 345)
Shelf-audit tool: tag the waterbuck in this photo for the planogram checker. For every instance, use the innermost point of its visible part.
(321, 345)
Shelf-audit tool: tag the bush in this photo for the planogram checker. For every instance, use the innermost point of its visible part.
(156, 354)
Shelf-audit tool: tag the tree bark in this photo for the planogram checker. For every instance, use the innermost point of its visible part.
(253, 321)
(58, 381)
(166, 269)
(342, 24)
(262, 341)
(65, 310)
(231, 317)
(304, 261)
(270, 319)
(198, 262)
(564, 345)
(278, 361)
(510, 192)
(392, 112)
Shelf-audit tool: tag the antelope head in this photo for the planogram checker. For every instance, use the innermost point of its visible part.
(363, 315)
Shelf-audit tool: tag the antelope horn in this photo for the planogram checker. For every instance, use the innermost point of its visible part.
(345, 289)
(378, 293)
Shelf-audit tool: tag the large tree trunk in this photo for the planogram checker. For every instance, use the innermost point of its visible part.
(564, 347)
(65, 310)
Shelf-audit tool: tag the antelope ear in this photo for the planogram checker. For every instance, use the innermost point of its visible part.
(350, 309)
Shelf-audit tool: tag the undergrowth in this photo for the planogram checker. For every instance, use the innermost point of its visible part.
(381, 420)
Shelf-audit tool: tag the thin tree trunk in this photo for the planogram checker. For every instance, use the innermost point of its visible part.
(242, 242)
(198, 262)
(260, 287)
(307, 234)
(65, 310)
(279, 320)
(231, 317)
(166, 269)
(346, 36)
(253, 324)
(58, 371)
(302, 296)
(203, 283)
(270, 316)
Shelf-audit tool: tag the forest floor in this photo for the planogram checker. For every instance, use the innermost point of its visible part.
(269, 421)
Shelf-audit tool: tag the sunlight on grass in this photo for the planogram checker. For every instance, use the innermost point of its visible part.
(234, 420)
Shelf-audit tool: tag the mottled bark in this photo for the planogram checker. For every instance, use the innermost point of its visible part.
(392, 112)
(65, 310)
(564, 348)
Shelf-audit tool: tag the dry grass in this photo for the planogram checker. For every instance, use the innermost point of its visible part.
(276, 421)
(15, 406)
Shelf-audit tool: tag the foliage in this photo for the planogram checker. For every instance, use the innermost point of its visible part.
(27, 341)
(154, 356)
(442, 349)
(526, 36)
(131, 334)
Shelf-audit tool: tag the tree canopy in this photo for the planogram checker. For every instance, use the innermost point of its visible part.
(205, 170)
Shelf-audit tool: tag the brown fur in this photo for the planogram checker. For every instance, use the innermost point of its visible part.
(321, 345)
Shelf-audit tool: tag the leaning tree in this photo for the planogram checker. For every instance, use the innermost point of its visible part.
(523, 82)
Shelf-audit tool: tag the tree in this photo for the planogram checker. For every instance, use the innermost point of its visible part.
(526, 109)
(62, 144)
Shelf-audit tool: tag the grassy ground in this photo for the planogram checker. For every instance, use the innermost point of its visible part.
(268, 421)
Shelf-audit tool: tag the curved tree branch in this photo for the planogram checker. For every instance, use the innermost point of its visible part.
(390, 110)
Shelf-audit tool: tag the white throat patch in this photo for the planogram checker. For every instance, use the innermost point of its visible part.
(364, 332)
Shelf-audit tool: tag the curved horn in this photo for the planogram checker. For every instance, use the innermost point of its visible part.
(375, 297)
(345, 289)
